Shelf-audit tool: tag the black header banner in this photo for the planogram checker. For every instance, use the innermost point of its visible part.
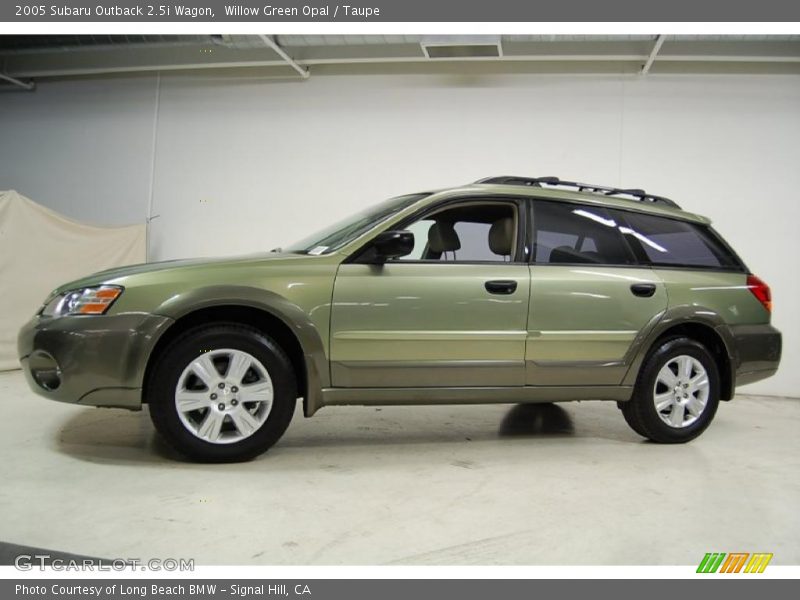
(388, 11)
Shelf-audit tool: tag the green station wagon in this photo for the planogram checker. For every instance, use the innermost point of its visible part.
(508, 290)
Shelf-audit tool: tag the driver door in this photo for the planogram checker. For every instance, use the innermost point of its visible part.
(453, 313)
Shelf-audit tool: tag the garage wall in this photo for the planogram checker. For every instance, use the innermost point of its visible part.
(240, 164)
(81, 148)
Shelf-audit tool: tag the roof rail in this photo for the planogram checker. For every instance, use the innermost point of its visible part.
(636, 194)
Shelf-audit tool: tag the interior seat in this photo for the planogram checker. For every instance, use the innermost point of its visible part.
(501, 237)
(442, 238)
(567, 254)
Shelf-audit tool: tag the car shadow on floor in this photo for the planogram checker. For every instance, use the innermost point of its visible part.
(110, 436)
(536, 420)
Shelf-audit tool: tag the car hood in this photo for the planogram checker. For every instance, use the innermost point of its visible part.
(119, 273)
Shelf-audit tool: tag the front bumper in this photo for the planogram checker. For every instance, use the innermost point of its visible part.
(90, 360)
(758, 348)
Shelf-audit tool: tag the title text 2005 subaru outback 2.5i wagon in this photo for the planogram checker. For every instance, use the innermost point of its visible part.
(511, 289)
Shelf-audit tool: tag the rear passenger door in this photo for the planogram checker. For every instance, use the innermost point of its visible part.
(589, 297)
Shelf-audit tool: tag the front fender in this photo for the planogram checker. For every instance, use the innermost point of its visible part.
(292, 315)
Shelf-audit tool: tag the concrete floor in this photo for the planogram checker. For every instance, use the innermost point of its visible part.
(566, 484)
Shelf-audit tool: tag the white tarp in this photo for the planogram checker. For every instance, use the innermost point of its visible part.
(40, 250)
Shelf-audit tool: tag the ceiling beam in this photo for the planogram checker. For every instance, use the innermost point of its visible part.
(653, 53)
(14, 81)
(303, 71)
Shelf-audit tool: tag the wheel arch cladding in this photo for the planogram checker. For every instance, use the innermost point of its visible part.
(275, 316)
(715, 344)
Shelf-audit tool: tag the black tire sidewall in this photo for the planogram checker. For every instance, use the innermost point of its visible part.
(647, 416)
(161, 389)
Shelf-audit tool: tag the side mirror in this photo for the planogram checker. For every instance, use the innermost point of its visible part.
(393, 244)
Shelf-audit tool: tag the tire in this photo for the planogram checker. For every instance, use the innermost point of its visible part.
(203, 370)
(632, 423)
(676, 394)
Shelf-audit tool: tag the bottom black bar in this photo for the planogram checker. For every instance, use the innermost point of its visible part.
(391, 589)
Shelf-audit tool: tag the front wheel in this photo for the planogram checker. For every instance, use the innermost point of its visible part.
(222, 392)
(676, 393)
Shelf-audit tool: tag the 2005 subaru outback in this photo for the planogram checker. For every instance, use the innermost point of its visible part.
(511, 289)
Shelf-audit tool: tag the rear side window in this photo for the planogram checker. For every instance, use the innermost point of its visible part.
(576, 234)
(670, 242)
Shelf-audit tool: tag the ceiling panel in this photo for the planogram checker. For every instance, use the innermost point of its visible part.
(27, 57)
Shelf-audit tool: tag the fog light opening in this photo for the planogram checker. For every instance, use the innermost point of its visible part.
(45, 371)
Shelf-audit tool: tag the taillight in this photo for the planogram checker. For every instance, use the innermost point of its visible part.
(760, 291)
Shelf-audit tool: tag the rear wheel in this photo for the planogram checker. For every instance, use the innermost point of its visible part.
(676, 394)
(221, 393)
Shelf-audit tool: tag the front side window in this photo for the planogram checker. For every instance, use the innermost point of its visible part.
(566, 233)
(670, 242)
(470, 232)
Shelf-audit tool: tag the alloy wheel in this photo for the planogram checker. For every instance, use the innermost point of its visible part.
(224, 396)
(681, 391)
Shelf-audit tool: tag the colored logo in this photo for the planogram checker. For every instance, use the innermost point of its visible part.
(735, 562)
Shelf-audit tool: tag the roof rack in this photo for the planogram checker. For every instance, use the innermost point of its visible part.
(636, 194)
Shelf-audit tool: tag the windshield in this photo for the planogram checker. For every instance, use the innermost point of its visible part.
(339, 234)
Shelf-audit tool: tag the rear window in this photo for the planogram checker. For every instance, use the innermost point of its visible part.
(670, 242)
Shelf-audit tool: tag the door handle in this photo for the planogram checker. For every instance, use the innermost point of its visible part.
(501, 286)
(643, 290)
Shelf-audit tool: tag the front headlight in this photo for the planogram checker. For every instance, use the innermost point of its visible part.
(94, 300)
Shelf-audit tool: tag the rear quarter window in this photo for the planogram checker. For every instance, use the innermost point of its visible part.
(671, 242)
